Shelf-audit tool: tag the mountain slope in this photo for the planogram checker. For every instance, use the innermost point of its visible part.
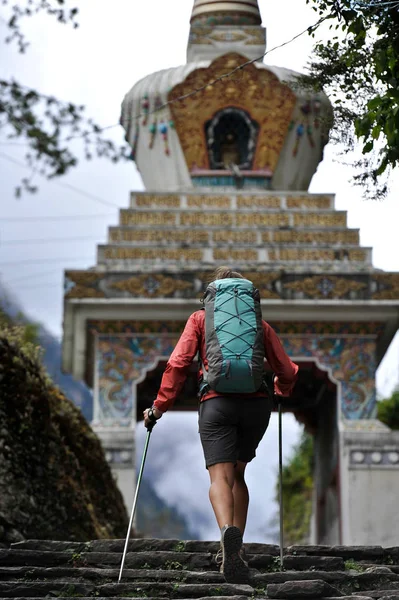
(76, 391)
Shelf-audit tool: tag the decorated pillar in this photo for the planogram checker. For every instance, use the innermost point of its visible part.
(121, 362)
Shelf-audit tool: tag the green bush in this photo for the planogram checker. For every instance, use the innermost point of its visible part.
(388, 411)
(298, 492)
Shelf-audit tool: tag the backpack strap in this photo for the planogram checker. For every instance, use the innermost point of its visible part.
(203, 385)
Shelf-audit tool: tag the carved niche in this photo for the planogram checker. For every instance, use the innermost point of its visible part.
(254, 90)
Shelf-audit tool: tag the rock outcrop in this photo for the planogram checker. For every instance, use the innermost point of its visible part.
(55, 482)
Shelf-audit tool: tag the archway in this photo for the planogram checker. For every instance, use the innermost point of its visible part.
(315, 405)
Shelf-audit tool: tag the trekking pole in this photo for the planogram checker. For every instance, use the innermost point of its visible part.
(149, 429)
(280, 468)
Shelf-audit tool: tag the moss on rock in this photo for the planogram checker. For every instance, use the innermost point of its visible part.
(55, 482)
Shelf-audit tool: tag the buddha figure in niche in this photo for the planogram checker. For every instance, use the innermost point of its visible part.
(231, 139)
(229, 151)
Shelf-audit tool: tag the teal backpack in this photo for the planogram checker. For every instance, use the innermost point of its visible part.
(233, 337)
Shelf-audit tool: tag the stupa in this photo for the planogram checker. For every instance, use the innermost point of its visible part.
(227, 147)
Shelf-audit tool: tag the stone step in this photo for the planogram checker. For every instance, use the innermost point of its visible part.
(139, 545)
(178, 546)
(233, 208)
(346, 582)
(203, 217)
(177, 590)
(233, 235)
(51, 546)
(34, 558)
(95, 574)
(321, 563)
(107, 254)
(169, 560)
(138, 560)
(253, 200)
(378, 593)
(348, 598)
(150, 560)
(40, 589)
(107, 575)
(300, 589)
(136, 598)
(187, 569)
(335, 578)
(260, 240)
(346, 552)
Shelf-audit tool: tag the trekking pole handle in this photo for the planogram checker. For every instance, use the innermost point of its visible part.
(153, 420)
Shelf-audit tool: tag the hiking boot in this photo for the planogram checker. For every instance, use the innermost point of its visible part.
(219, 556)
(233, 567)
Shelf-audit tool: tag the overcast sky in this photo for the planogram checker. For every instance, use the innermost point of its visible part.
(116, 44)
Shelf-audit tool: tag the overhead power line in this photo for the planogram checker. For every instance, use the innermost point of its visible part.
(376, 3)
(47, 240)
(38, 261)
(39, 286)
(31, 276)
(55, 218)
(213, 81)
(308, 29)
(68, 186)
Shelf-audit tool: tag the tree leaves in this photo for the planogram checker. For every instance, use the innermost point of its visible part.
(44, 124)
(48, 126)
(360, 72)
(298, 492)
(388, 411)
(28, 8)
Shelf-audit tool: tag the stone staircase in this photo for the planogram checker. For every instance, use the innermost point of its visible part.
(178, 570)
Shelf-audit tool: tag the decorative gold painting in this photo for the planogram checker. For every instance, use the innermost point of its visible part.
(256, 90)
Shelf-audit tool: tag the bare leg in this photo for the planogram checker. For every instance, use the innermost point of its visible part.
(241, 497)
(221, 492)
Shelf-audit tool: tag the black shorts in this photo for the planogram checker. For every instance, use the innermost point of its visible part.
(231, 428)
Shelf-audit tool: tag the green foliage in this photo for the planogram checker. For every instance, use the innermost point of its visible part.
(217, 591)
(18, 331)
(44, 123)
(173, 565)
(259, 591)
(274, 566)
(388, 411)
(76, 559)
(359, 69)
(136, 593)
(298, 491)
(27, 8)
(351, 565)
(70, 592)
(180, 547)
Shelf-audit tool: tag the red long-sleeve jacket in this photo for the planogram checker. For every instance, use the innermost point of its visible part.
(193, 339)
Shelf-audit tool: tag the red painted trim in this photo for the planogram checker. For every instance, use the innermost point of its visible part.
(206, 172)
